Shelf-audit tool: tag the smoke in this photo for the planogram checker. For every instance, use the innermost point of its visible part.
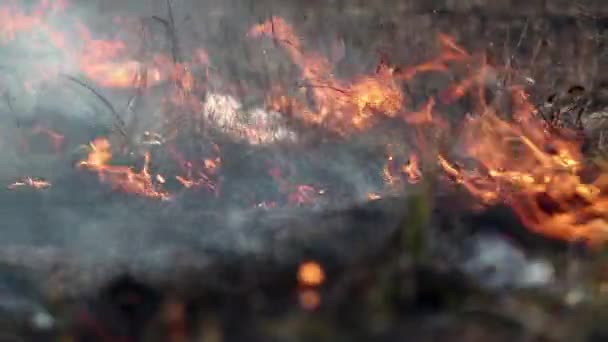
(86, 218)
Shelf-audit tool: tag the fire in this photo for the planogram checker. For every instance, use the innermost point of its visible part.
(339, 106)
(396, 172)
(122, 178)
(372, 196)
(197, 175)
(519, 162)
(107, 62)
(535, 172)
(412, 170)
(517, 159)
(16, 21)
(35, 183)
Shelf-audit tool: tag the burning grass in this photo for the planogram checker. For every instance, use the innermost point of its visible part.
(197, 174)
(518, 159)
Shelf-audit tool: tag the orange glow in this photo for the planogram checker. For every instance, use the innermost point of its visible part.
(411, 169)
(372, 196)
(106, 62)
(535, 172)
(512, 157)
(198, 175)
(310, 299)
(121, 178)
(519, 162)
(30, 182)
(311, 274)
(339, 106)
(109, 63)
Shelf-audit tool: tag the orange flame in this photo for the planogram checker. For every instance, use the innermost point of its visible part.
(519, 162)
(412, 170)
(122, 178)
(35, 183)
(198, 174)
(339, 106)
(535, 172)
(106, 62)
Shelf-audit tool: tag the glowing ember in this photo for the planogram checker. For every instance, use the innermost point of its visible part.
(30, 182)
(311, 274)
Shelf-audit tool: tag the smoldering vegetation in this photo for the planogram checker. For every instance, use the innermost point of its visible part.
(78, 235)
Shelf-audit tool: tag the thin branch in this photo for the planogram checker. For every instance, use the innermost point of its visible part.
(140, 83)
(169, 24)
(118, 121)
(523, 34)
(323, 86)
(161, 20)
(172, 33)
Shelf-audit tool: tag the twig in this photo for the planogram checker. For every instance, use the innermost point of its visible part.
(118, 121)
(140, 82)
(9, 100)
(325, 86)
(169, 25)
(523, 34)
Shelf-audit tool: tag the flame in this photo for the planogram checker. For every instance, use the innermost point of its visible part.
(518, 161)
(372, 196)
(35, 183)
(122, 178)
(107, 62)
(412, 169)
(339, 106)
(16, 21)
(396, 173)
(198, 175)
(537, 173)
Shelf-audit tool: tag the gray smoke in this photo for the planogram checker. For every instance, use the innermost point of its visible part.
(86, 218)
